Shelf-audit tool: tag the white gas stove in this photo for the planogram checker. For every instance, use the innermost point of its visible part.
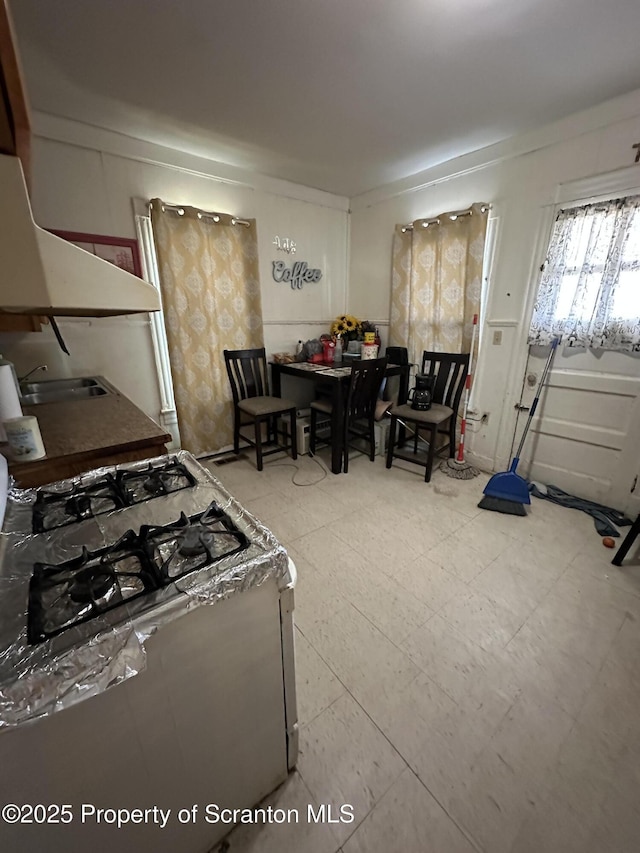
(106, 625)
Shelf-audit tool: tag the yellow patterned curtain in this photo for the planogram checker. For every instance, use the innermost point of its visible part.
(436, 282)
(211, 302)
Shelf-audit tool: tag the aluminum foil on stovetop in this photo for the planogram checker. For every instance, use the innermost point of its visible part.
(36, 680)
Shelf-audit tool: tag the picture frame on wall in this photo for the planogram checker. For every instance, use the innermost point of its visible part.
(122, 252)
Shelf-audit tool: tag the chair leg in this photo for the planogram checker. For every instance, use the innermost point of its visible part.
(628, 541)
(312, 432)
(345, 446)
(430, 455)
(258, 428)
(452, 438)
(294, 434)
(236, 432)
(372, 441)
(392, 438)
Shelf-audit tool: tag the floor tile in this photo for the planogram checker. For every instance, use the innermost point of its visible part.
(408, 713)
(553, 826)
(493, 802)
(480, 619)
(624, 649)
(316, 686)
(611, 708)
(530, 736)
(294, 833)
(358, 653)
(543, 668)
(344, 759)
(316, 597)
(392, 609)
(484, 538)
(284, 516)
(445, 760)
(408, 819)
(507, 585)
(566, 623)
(429, 582)
(459, 558)
(477, 680)
(618, 827)
(374, 534)
(599, 593)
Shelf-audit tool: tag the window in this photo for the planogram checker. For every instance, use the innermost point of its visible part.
(589, 292)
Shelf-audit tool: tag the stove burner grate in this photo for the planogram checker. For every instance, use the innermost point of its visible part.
(190, 544)
(53, 509)
(70, 593)
(73, 592)
(142, 484)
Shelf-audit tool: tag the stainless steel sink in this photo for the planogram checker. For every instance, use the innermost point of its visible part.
(62, 390)
(52, 385)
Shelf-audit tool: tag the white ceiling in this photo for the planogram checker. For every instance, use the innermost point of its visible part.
(342, 95)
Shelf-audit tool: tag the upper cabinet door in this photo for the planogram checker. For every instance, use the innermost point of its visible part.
(15, 127)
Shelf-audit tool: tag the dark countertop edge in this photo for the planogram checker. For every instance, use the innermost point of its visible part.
(160, 438)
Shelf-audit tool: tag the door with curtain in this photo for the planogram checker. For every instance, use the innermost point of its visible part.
(437, 281)
(208, 268)
(586, 434)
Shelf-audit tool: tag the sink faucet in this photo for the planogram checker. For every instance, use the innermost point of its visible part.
(31, 372)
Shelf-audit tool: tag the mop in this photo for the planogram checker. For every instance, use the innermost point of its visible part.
(458, 468)
(508, 492)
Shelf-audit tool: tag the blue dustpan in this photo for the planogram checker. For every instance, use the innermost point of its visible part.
(509, 486)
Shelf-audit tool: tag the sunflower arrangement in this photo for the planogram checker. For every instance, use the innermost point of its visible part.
(348, 326)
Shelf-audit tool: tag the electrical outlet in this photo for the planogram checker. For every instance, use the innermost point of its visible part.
(497, 338)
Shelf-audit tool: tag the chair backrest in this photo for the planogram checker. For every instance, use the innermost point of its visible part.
(398, 355)
(449, 370)
(366, 379)
(393, 385)
(247, 371)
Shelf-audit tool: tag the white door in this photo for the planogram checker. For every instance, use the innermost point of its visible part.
(585, 436)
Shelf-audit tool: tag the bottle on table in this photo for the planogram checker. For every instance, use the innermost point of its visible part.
(337, 353)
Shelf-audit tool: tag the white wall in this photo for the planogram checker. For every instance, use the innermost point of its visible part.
(520, 179)
(86, 180)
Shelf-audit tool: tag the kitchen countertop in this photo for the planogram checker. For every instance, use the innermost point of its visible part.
(77, 433)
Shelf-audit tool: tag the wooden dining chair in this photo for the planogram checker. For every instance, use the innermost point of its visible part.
(359, 409)
(252, 404)
(449, 373)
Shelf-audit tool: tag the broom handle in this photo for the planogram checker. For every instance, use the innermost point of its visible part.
(532, 410)
(463, 424)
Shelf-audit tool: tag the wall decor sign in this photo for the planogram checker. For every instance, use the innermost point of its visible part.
(285, 244)
(297, 274)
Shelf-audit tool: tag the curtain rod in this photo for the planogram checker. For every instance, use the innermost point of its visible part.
(204, 214)
(452, 214)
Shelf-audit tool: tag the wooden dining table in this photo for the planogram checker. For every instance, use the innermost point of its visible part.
(334, 378)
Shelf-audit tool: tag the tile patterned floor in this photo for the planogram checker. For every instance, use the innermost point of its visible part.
(467, 681)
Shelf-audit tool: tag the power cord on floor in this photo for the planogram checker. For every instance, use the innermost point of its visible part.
(322, 467)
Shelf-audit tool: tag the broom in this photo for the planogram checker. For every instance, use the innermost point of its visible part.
(458, 468)
(508, 492)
